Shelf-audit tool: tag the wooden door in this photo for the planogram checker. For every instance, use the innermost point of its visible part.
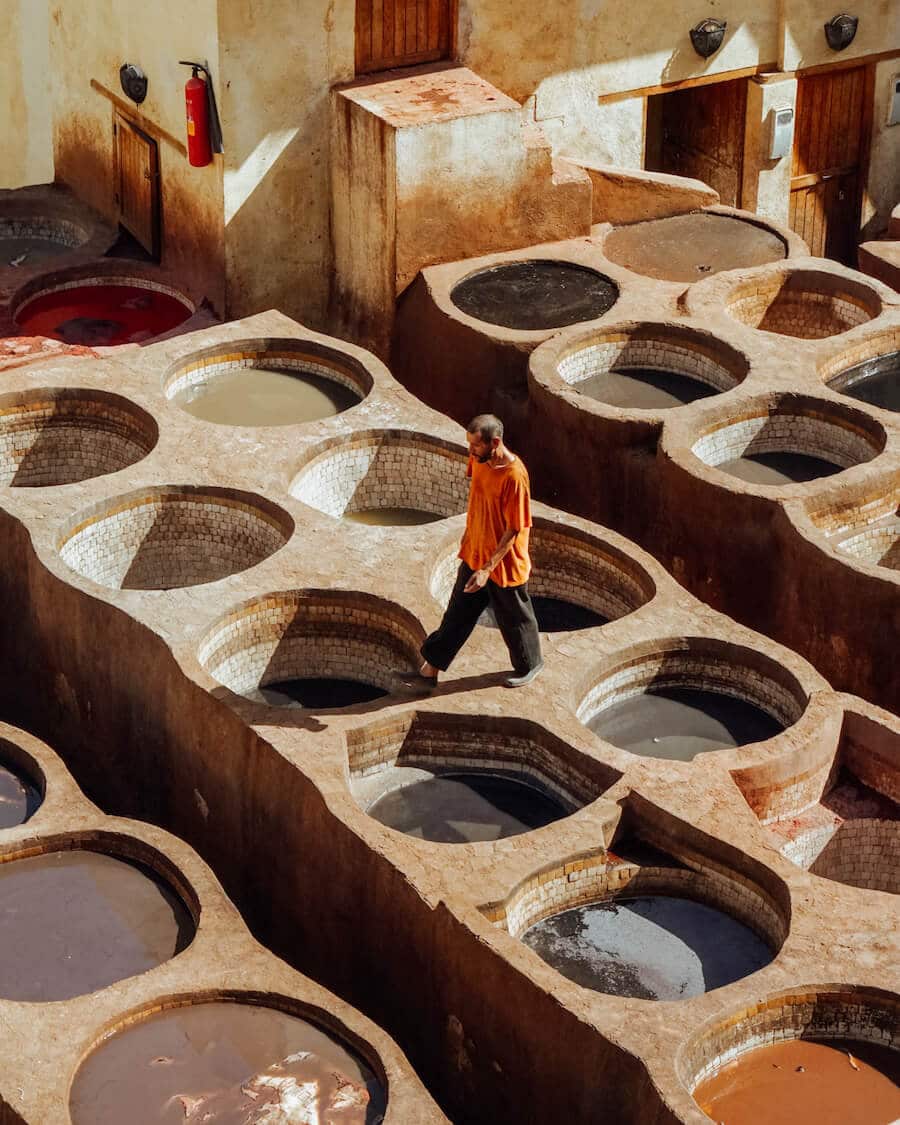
(137, 183)
(830, 147)
(393, 33)
(701, 135)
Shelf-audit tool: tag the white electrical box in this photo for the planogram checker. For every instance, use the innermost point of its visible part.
(894, 103)
(782, 132)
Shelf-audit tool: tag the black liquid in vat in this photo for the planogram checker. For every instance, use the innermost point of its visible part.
(875, 380)
(535, 296)
(320, 692)
(461, 808)
(224, 1063)
(19, 796)
(779, 468)
(679, 723)
(652, 947)
(643, 388)
(554, 615)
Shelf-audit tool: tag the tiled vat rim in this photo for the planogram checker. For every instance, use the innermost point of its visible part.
(95, 432)
(704, 663)
(63, 231)
(295, 633)
(300, 355)
(568, 564)
(824, 1011)
(173, 536)
(791, 423)
(42, 287)
(383, 468)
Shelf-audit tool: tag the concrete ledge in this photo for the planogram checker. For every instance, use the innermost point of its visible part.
(626, 195)
(882, 260)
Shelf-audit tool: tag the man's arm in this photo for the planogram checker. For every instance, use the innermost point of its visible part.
(479, 577)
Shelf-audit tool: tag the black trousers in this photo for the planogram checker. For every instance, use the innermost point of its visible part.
(514, 614)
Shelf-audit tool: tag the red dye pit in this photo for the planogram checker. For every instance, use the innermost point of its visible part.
(101, 315)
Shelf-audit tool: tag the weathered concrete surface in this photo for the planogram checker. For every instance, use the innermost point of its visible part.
(628, 196)
(26, 146)
(766, 183)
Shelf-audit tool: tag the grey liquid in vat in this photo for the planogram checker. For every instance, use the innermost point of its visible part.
(75, 921)
(679, 723)
(227, 1063)
(460, 808)
(23, 251)
(19, 797)
(535, 296)
(779, 468)
(393, 517)
(266, 396)
(652, 947)
(643, 388)
(875, 380)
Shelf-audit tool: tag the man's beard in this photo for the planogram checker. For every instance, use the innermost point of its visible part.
(484, 460)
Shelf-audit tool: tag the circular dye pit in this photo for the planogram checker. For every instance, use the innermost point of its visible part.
(875, 381)
(878, 543)
(72, 922)
(225, 1063)
(779, 468)
(651, 947)
(535, 296)
(101, 315)
(320, 692)
(465, 808)
(20, 798)
(679, 723)
(262, 396)
(690, 247)
(23, 242)
(806, 304)
(555, 615)
(806, 1082)
(643, 388)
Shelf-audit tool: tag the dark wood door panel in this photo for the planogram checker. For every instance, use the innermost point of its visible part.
(393, 33)
(137, 183)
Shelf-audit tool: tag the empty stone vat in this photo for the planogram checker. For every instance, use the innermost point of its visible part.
(789, 440)
(650, 366)
(692, 697)
(269, 649)
(808, 304)
(165, 538)
(268, 383)
(36, 238)
(578, 581)
(825, 1055)
(389, 477)
(21, 787)
(102, 311)
(75, 921)
(690, 247)
(52, 436)
(225, 1061)
(875, 380)
(536, 295)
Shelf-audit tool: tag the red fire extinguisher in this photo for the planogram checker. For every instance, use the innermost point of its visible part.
(197, 108)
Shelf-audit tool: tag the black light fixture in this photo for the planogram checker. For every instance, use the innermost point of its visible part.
(707, 36)
(840, 31)
(133, 82)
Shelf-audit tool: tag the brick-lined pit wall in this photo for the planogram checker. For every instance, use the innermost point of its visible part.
(583, 880)
(842, 370)
(789, 425)
(54, 436)
(165, 538)
(863, 853)
(302, 356)
(514, 748)
(803, 303)
(298, 634)
(385, 469)
(864, 527)
(572, 566)
(692, 354)
(60, 231)
(703, 664)
(815, 1012)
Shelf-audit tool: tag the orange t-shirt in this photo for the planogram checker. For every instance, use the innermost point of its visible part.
(498, 499)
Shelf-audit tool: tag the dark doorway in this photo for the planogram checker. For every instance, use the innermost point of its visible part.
(137, 183)
(393, 33)
(830, 149)
(699, 132)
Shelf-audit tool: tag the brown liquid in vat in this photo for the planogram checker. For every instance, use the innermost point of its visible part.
(224, 1063)
(258, 396)
(803, 1082)
(75, 921)
(392, 517)
(643, 388)
(779, 468)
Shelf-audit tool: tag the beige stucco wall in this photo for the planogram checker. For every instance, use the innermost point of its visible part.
(804, 39)
(90, 39)
(26, 149)
(884, 166)
(279, 59)
(766, 183)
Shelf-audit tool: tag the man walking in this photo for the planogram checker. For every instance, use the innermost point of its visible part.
(495, 562)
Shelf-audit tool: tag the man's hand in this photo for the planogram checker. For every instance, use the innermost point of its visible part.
(477, 581)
